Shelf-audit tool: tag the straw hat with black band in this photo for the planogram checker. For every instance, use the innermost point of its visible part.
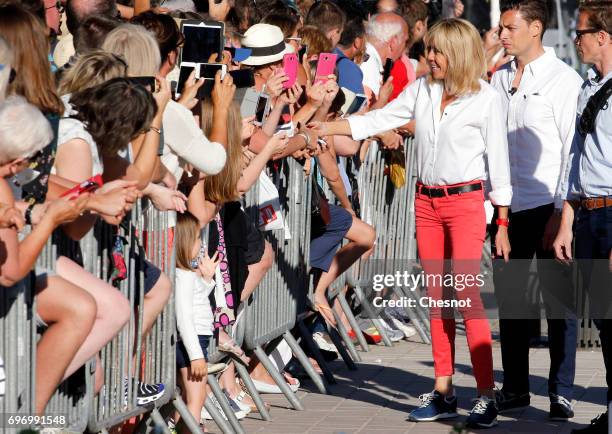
(267, 45)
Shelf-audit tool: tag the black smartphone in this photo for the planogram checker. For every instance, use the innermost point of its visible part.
(147, 82)
(202, 39)
(262, 108)
(387, 70)
(184, 72)
(302, 53)
(243, 78)
(209, 70)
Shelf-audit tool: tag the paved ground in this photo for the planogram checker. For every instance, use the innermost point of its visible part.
(376, 398)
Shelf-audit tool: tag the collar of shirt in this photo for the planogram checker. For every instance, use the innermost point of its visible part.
(538, 65)
(374, 56)
(595, 79)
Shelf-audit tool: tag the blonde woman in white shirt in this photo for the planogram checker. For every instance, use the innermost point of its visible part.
(461, 143)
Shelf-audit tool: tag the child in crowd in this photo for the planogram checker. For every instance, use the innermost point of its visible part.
(195, 271)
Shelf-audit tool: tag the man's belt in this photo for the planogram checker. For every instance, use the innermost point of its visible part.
(596, 203)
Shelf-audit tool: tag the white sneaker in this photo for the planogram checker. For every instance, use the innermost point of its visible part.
(407, 329)
(323, 343)
(394, 334)
(207, 416)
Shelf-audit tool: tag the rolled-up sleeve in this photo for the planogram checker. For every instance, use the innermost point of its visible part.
(565, 119)
(496, 142)
(187, 141)
(398, 112)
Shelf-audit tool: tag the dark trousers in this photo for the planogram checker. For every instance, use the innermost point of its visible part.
(514, 296)
(593, 245)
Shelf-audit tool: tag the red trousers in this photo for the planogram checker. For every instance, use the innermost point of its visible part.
(450, 232)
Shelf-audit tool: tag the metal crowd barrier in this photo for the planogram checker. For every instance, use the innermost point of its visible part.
(17, 350)
(272, 312)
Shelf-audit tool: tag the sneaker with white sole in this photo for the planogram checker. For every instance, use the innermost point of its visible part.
(324, 342)
(236, 403)
(207, 416)
(395, 335)
(434, 406)
(484, 413)
(145, 393)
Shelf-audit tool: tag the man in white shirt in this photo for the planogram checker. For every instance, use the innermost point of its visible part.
(540, 94)
(386, 35)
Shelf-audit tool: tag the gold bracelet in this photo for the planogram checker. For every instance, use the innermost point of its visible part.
(157, 130)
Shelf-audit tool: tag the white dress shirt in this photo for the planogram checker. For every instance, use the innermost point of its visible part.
(541, 118)
(451, 147)
(194, 315)
(372, 70)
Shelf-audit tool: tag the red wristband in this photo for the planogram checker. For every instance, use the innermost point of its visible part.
(502, 222)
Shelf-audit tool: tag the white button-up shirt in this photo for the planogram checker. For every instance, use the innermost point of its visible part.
(372, 70)
(541, 118)
(451, 146)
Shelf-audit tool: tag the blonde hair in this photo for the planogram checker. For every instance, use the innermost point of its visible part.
(186, 233)
(90, 70)
(137, 46)
(459, 41)
(316, 41)
(223, 187)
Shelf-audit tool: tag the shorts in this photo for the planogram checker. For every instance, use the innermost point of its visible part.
(151, 275)
(325, 239)
(182, 356)
(255, 244)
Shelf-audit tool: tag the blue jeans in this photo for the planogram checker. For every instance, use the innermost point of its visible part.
(593, 245)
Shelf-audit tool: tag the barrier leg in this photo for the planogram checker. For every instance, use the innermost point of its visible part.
(278, 378)
(353, 322)
(186, 416)
(248, 382)
(371, 314)
(416, 321)
(337, 340)
(160, 423)
(231, 417)
(348, 343)
(303, 359)
(316, 353)
(221, 422)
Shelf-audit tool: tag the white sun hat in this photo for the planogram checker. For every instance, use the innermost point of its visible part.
(267, 44)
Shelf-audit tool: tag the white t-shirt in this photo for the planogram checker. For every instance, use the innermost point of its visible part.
(70, 128)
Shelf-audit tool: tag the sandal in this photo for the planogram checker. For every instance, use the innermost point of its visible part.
(244, 393)
(327, 313)
(231, 348)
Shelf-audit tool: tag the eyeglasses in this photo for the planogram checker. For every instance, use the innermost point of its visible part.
(581, 33)
(298, 40)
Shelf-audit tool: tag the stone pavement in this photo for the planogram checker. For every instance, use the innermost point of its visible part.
(376, 398)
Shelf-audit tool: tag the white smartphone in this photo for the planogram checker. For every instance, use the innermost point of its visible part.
(353, 102)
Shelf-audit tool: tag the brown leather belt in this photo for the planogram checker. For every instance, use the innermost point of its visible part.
(596, 202)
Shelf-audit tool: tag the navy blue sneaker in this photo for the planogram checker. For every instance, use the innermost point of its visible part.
(484, 414)
(434, 406)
